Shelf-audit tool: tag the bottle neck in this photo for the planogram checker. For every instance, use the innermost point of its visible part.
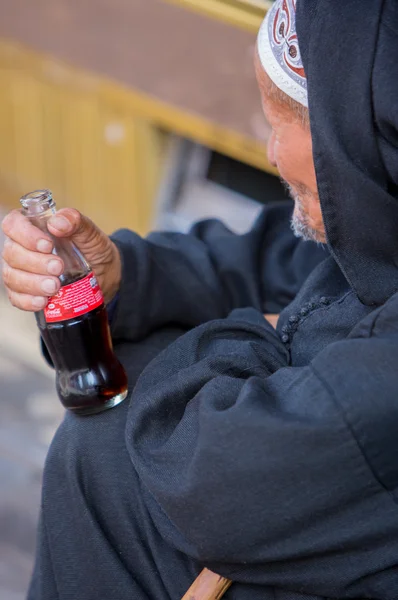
(38, 207)
(39, 218)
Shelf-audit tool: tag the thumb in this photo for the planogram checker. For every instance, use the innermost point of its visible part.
(99, 250)
(69, 222)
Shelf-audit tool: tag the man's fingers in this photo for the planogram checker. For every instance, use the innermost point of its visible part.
(29, 283)
(17, 257)
(272, 320)
(27, 302)
(68, 222)
(98, 249)
(65, 222)
(19, 229)
(22, 265)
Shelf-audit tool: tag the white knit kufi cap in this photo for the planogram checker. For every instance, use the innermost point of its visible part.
(279, 50)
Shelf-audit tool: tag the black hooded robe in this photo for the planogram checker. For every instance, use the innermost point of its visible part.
(270, 457)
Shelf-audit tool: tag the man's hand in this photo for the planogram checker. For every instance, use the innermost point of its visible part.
(272, 320)
(31, 272)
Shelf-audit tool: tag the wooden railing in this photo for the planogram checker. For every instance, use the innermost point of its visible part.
(246, 14)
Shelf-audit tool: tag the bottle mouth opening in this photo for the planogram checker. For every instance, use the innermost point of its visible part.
(40, 200)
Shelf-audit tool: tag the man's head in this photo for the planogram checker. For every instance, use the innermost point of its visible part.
(290, 144)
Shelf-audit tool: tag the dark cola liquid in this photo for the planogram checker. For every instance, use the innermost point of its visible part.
(89, 378)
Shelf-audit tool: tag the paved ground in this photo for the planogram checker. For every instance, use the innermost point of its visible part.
(29, 414)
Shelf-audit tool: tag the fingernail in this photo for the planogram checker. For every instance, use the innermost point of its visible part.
(48, 286)
(60, 223)
(39, 302)
(54, 267)
(44, 246)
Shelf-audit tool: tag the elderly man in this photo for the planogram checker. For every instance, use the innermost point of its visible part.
(270, 456)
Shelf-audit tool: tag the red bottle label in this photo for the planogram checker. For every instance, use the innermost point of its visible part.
(74, 300)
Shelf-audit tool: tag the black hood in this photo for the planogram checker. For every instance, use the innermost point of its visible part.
(350, 54)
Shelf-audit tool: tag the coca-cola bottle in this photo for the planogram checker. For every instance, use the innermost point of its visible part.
(74, 326)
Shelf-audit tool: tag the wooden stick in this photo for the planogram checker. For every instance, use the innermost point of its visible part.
(207, 586)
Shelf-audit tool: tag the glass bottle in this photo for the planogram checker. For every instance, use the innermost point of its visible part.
(74, 325)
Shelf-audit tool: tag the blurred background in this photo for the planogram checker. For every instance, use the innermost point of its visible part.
(142, 114)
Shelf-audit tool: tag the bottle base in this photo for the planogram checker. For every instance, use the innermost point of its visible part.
(111, 403)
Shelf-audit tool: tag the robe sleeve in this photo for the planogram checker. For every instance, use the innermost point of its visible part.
(270, 474)
(188, 279)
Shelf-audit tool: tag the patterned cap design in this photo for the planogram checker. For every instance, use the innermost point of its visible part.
(279, 50)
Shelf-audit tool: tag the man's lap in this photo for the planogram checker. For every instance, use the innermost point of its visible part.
(97, 540)
(95, 528)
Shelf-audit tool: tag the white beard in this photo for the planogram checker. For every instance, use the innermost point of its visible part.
(299, 223)
(301, 229)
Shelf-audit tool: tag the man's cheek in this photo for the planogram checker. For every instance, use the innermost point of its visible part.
(314, 210)
(284, 166)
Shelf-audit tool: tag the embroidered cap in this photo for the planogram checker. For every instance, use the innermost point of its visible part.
(279, 51)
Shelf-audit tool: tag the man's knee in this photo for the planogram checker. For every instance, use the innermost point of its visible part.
(87, 447)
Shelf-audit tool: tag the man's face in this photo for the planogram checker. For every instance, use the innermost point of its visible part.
(290, 150)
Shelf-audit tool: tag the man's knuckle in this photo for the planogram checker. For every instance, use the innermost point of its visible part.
(5, 224)
(7, 249)
(8, 222)
(6, 272)
(12, 298)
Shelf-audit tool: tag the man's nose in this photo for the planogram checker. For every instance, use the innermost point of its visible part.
(271, 150)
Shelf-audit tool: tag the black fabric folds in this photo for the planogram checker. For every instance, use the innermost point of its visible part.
(274, 475)
(269, 456)
(349, 51)
(190, 279)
